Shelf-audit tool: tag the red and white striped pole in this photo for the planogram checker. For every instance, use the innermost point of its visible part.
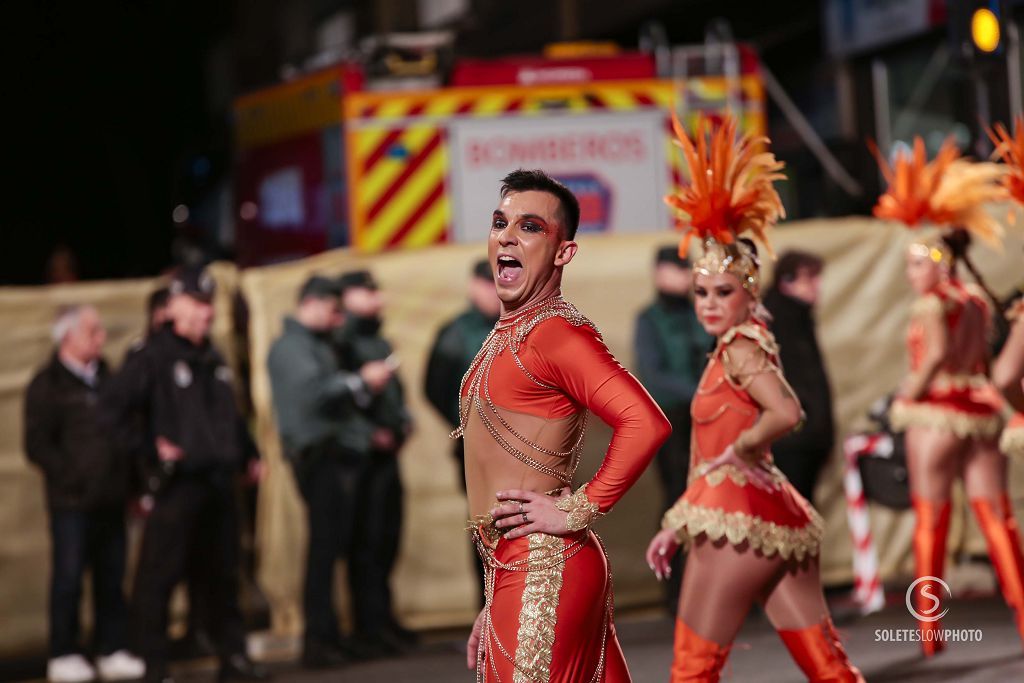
(867, 580)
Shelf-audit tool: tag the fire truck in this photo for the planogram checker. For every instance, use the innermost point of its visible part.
(344, 158)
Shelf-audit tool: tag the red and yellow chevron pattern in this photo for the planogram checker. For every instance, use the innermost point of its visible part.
(398, 159)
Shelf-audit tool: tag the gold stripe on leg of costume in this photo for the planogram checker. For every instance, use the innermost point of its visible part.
(539, 614)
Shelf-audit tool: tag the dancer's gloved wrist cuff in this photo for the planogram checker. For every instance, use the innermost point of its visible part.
(582, 512)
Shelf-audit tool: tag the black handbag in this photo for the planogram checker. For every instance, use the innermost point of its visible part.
(884, 477)
(883, 466)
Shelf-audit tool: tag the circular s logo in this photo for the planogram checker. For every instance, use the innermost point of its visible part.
(928, 603)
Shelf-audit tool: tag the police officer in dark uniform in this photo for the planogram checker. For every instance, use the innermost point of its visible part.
(196, 641)
(173, 405)
(378, 523)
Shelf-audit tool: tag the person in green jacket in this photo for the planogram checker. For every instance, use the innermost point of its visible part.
(454, 348)
(326, 438)
(379, 500)
(456, 345)
(671, 351)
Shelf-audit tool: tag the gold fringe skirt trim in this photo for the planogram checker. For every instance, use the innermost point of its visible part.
(1011, 442)
(963, 424)
(690, 521)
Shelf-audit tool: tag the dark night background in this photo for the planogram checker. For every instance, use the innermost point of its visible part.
(121, 110)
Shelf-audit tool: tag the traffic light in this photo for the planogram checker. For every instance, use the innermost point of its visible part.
(987, 28)
(977, 29)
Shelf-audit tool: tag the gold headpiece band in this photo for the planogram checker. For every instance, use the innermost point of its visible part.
(734, 258)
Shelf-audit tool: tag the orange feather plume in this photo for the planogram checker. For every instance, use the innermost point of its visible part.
(730, 190)
(1010, 148)
(948, 191)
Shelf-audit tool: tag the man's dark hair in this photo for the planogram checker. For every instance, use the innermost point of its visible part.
(522, 180)
(157, 299)
(792, 262)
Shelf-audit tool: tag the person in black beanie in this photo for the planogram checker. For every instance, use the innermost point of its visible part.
(802, 454)
(380, 496)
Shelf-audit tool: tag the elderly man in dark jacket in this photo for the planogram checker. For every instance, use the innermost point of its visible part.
(791, 299)
(86, 493)
(326, 438)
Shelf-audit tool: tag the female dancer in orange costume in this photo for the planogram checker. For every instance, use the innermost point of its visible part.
(1008, 375)
(947, 405)
(548, 600)
(1008, 370)
(752, 537)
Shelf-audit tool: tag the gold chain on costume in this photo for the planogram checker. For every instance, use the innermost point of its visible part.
(736, 375)
(509, 333)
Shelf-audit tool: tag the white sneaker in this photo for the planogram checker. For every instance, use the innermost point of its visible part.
(70, 669)
(120, 666)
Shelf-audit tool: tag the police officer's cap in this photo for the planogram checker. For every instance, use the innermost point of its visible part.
(671, 255)
(194, 281)
(357, 279)
(319, 287)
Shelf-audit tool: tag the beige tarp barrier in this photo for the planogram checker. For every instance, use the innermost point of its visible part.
(861, 323)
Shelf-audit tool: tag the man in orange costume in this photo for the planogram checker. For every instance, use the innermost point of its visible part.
(524, 403)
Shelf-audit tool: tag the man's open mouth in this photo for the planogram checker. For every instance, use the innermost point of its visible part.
(509, 269)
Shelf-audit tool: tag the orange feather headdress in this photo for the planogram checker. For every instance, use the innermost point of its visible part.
(1010, 148)
(730, 192)
(949, 192)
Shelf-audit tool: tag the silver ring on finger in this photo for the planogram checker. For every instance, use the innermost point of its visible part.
(520, 506)
(526, 520)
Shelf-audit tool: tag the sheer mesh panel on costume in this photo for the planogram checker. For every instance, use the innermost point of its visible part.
(553, 443)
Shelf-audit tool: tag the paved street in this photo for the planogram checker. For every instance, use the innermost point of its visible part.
(757, 656)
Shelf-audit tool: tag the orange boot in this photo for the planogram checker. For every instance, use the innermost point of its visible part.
(1003, 538)
(930, 560)
(696, 659)
(819, 654)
